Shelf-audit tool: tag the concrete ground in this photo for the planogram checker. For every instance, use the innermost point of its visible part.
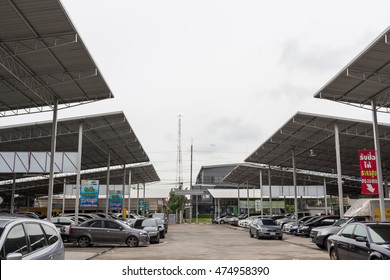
(206, 242)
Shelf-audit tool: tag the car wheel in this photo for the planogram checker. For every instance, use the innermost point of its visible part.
(333, 254)
(158, 239)
(320, 246)
(250, 233)
(132, 241)
(222, 222)
(84, 241)
(325, 245)
(162, 235)
(280, 237)
(258, 235)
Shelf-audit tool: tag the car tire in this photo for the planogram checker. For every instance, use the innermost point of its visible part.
(222, 222)
(132, 241)
(162, 235)
(257, 235)
(158, 239)
(280, 237)
(333, 254)
(250, 233)
(84, 241)
(325, 245)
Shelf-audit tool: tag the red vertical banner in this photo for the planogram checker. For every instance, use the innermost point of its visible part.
(368, 171)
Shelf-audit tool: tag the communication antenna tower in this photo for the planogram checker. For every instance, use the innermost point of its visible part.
(179, 163)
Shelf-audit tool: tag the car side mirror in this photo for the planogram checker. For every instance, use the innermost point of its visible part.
(361, 239)
(14, 256)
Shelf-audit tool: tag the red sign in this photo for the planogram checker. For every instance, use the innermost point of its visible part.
(368, 172)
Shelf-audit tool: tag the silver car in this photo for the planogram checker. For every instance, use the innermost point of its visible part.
(264, 227)
(107, 231)
(29, 239)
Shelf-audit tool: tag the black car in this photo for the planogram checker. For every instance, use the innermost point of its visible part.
(305, 228)
(151, 227)
(361, 241)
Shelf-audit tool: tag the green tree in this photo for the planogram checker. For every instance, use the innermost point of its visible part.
(176, 202)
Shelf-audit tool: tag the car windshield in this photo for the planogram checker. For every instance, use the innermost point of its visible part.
(149, 223)
(380, 233)
(268, 222)
(340, 222)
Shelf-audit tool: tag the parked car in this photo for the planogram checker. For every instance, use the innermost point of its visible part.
(223, 219)
(151, 227)
(265, 227)
(361, 241)
(320, 235)
(33, 215)
(291, 218)
(163, 217)
(246, 222)
(292, 227)
(63, 224)
(305, 228)
(107, 231)
(29, 239)
(161, 228)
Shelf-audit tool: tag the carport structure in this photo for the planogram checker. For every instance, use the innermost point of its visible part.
(323, 144)
(100, 140)
(256, 174)
(37, 186)
(44, 65)
(365, 83)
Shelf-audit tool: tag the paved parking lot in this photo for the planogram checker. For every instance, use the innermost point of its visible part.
(206, 242)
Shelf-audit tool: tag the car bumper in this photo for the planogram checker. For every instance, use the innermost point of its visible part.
(269, 234)
(143, 240)
(319, 240)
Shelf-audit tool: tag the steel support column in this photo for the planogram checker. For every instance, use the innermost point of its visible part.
(108, 183)
(143, 208)
(52, 156)
(325, 198)
(78, 176)
(270, 190)
(63, 196)
(247, 198)
(238, 199)
(137, 199)
(378, 161)
(123, 193)
(295, 186)
(338, 162)
(129, 201)
(261, 192)
(12, 209)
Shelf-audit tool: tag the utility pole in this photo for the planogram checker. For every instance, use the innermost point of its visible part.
(179, 168)
(191, 183)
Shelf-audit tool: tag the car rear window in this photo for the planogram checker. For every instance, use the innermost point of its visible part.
(149, 223)
(36, 235)
(51, 234)
(15, 242)
(379, 233)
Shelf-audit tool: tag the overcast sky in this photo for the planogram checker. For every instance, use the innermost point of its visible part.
(235, 70)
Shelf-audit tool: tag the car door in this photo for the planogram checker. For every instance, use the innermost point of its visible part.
(343, 241)
(97, 231)
(114, 232)
(358, 250)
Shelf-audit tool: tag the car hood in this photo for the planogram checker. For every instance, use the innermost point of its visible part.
(382, 248)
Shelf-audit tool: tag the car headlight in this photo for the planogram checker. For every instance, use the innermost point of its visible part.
(305, 227)
(143, 233)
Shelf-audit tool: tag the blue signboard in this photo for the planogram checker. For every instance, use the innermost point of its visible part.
(89, 193)
(116, 201)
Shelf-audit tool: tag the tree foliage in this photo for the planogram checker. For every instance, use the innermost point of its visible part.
(176, 202)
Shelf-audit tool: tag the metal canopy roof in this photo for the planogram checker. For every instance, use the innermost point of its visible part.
(365, 78)
(42, 59)
(313, 139)
(250, 173)
(101, 134)
(38, 186)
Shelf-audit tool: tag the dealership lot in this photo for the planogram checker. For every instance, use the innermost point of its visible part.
(206, 242)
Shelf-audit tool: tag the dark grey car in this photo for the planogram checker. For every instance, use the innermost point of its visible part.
(265, 227)
(29, 239)
(107, 231)
(151, 226)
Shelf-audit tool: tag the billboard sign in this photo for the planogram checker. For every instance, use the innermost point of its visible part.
(116, 201)
(89, 193)
(368, 171)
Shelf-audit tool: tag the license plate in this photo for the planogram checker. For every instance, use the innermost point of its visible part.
(273, 233)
